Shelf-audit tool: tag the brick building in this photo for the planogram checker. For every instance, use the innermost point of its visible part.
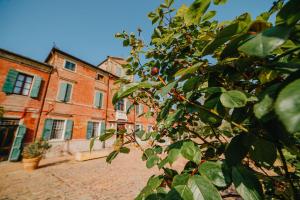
(65, 100)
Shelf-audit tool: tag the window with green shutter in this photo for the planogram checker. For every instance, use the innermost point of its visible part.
(98, 99)
(103, 128)
(36, 87)
(89, 130)
(17, 144)
(11, 78)
(65, 90)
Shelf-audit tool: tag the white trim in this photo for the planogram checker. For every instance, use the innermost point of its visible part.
(99, 127)
(140, 127)
(65, 60)
(71, 93)
(64, 129)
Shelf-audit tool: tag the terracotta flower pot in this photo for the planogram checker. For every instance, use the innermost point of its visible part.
(30, 164)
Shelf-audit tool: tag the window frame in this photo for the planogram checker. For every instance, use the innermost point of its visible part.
(102, 103)
(140, 126)
(99, 128)
(124, 106)
(75, 65)
(151, 128)
(71, 92)
(23, 84)
(64, 130)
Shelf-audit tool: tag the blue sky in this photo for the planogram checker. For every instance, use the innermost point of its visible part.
(86, 28)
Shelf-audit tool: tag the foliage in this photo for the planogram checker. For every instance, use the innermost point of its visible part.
(35, 149)
(226, 97)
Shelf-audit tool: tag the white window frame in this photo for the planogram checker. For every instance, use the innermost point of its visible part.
(125, 109)
(64, 130)
(99, 127)
(140, 110)
(64, 66)
(71, 93)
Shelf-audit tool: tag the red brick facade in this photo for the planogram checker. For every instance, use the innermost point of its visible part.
(79, 82)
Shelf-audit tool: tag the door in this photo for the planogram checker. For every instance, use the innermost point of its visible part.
(7, 135)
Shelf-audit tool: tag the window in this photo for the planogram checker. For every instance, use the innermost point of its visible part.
(139, 109)
(98, 99)
(118, 71)
(57, 131)
(23, 84)
(150, 129)
(64, 94)
(139, 127)
(70, 65)
(96, 129)
(120, 106)
(99, 77)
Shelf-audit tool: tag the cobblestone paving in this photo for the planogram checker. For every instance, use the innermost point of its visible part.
(68, 179)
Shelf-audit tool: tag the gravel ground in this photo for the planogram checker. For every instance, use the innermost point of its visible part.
(65, 178)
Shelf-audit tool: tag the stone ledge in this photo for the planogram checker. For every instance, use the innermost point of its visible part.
(82, 156)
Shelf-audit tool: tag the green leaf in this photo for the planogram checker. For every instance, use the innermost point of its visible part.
(246, 183)
(181, 179)
(191, 152)
(151, 161)
(263, 107)
(130, 89)
(219, 2)
(106, 136)
(209, 15)
(166, 89)
(124, 150)
(217, 172)
(92, 143)
(173, 154)
(174, 117)
(263, 152)
(188, 70)
(287, 106)
(111, 156)
(223, 36)
(180, 192)
(191, 84)
(152, 189)
(195, 11)
(213, 90)
(238, 148)
(233, 99)
(289, 14)
(203, 189)
(265, 42)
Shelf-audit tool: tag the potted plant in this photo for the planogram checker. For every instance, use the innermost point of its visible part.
(32, 154)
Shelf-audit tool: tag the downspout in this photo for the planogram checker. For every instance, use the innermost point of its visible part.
(43, 103)
(106, 109)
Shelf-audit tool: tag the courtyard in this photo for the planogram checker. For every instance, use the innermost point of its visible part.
(65, 178)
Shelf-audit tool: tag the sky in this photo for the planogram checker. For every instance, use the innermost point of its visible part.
(86, 28)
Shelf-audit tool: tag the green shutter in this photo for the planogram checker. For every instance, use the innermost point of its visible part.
(100, 99)
(102, 130)
(128, 104)
(47, 129)
(62, 91)
(9, 84)
(68, 92)
(16, 147)
(89, 130)
(36, 87)
(69, 129)
(97, 99)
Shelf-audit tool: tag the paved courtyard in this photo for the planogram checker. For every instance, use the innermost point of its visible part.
(65, 178)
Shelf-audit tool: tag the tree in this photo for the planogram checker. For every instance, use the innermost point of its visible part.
(226, 94)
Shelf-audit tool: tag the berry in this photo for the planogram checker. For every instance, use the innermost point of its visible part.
(154, 71)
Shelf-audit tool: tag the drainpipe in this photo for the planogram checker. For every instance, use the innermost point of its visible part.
(106, 109)
(43, 103)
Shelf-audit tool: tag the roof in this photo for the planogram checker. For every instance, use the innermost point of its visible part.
(54, 49)
(119, 60)
(24, 57)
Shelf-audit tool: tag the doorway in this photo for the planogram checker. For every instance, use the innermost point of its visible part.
(8, 129)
